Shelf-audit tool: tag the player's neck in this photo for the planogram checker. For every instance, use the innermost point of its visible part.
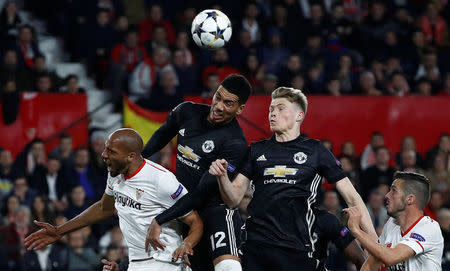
(134, 166)
(408, 217)
(287, 135)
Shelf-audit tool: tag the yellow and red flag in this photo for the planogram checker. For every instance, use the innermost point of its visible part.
(144, 121)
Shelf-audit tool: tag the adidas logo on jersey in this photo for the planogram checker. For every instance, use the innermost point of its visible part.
(181, 132)
(261, 158)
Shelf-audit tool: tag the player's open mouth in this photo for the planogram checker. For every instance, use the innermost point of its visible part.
(216, 115)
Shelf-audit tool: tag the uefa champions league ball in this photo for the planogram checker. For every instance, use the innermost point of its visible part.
(211, 29)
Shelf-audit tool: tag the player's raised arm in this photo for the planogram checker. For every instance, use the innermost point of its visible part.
(231, 192)
(352, 198)
(388, 256)
(49, 234)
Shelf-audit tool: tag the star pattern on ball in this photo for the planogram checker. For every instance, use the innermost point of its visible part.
(199, 30)
(219, 33)
(212, 14)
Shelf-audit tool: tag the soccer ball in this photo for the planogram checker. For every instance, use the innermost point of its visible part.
(211, 29)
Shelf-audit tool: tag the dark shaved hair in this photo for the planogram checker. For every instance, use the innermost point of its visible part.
(415, 184)
(128, 139)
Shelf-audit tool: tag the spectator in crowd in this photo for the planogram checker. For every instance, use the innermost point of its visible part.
(331, 203)
(253, 71)
(186, 73)
(12, 203)
(349, 171)
(368, 84)
(293, 67)
(348, 150)
(114, 238)
(445, 91)
(10, 70)
(409, 163)
(96, 147)
(317, 22)
(32, 155)
(113, 254)
(23, 191)
(97, 43)
(121, 26)
(85, 175)
(40, 69)
(433, 26)
(165, 94)
(443, 147)
(368, 155)
(64, 150)
(25, 46)
(443, 218)
(439, 176)
(408, 144)
(379, 175)
(47, 258)
(315, 79)
(250, 22)
(41, 211)
(6, 174)
(159, 39)
(429, 69)
(334, 87)
(434, 205)
(78, 202)
(274, 55)
(182, 44)
(51, 182)
(146, 27)
(71, 85)
(9, 21)
(391, 46)
(78, 256)
(12, 236)
(424, 87)
(211, 85)
(220, 65)
(313, 52)
(398, 85)
(298, 82)
(342, 26)
(373, 27)
(377, 211)
(241, 50)
(44, 84)
(270, 82)
(124, 58)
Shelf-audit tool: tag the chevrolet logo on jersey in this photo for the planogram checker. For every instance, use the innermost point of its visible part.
(280, 171)
(188, 153)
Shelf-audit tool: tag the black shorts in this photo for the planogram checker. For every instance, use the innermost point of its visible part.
(222, 227)
(264, 257)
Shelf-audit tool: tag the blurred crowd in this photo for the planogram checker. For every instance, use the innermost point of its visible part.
(144, 49)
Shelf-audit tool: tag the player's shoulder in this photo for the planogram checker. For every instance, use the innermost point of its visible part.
(428, 224)
(188, 106)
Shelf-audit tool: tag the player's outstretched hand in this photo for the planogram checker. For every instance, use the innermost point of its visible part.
(109, 266)
(218, 167)
(152, 237)
(184, 249)
(354, 218)
(46, 235)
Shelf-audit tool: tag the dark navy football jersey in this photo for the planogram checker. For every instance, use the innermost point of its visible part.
(328, 228)
(199, 143)
(287, 178)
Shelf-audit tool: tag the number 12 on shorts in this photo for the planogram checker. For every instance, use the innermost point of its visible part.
(216, 240)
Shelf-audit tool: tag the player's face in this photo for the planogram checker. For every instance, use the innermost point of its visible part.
(224, 106)
(114, 158)
(395, 200)
(284, 115)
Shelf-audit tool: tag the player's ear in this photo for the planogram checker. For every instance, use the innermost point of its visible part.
(300, 116)
(240, 109)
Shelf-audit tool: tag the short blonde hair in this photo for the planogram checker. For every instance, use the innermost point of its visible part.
(293, 95)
